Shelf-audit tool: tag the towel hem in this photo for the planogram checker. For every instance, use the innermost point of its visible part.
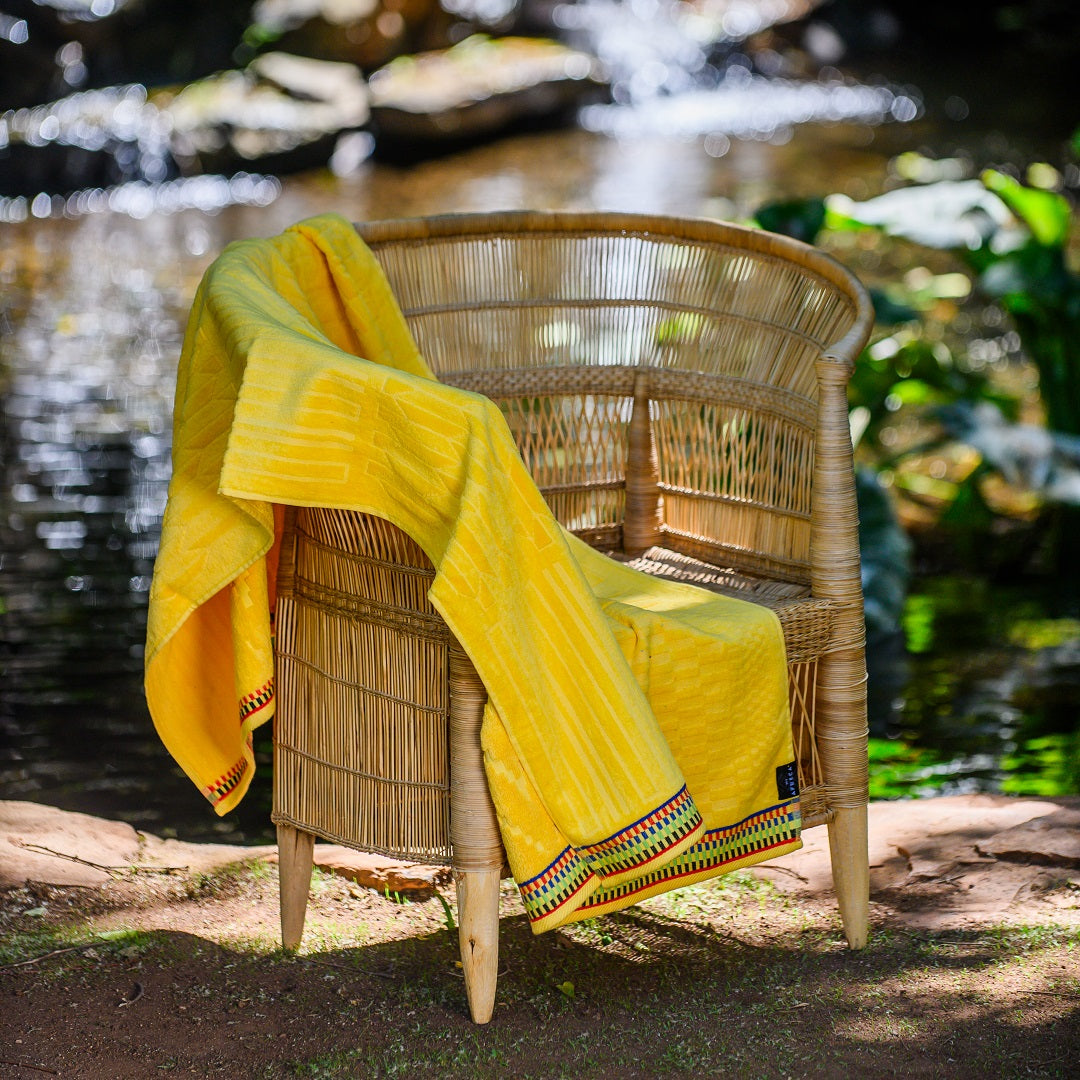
(677, 881)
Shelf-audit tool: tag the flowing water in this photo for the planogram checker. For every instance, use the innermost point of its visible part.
(95, 296)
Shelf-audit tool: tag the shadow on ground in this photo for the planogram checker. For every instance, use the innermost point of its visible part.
(178, 973)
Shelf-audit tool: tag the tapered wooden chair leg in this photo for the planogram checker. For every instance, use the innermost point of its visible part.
(295, 851)
(474, 836)
(851, 873)
(478, 936)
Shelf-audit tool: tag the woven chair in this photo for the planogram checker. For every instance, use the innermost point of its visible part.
(677, 389)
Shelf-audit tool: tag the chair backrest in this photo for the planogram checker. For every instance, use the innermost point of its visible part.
(558, 317)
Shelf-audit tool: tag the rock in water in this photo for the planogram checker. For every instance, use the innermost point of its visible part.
(280, 114)
(366, 33)
(478, 88)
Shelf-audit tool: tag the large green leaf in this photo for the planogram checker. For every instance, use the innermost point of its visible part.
(1034, 271)
(1045, 213)
(949, 214)
(889, 311)
(802, 219)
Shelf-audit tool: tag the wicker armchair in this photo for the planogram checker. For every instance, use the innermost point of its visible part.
(678, 390)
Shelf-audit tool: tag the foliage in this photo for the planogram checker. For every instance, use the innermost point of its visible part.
(899, 770)
(802, 219)
(1040, 292)
(1012, 240)
(886, 553)
(1043, 766)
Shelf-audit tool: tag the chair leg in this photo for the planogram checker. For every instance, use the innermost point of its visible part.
(478, 937)
(851, 874)
(295, 851)
(474, 836)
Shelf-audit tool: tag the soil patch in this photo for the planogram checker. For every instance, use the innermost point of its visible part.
(168, 970)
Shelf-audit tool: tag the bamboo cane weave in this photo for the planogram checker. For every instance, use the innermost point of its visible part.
(362, 724)
(734, 460)
(733, 470)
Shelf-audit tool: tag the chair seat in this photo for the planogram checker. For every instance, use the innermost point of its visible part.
(806, 622)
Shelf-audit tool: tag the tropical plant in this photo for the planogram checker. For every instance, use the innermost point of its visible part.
(1013, 241)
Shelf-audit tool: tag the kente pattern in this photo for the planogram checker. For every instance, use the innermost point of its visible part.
(753, 836)
(562, 880)
(256, 701)
(647, 838)
(221, 787)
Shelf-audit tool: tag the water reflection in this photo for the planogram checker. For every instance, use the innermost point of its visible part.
(89, 353)
(748, 106)
(989, 701)
(674, 69)
(688, 70)
(140, 199)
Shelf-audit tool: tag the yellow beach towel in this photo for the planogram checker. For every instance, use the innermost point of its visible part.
(637, 732)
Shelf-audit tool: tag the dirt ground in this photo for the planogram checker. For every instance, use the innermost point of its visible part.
(122, 955)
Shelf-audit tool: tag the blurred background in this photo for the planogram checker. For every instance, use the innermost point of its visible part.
(930, 147)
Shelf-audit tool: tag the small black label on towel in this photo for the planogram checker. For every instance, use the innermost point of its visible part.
(787, 781)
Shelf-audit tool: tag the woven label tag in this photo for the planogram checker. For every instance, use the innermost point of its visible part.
(787, 781)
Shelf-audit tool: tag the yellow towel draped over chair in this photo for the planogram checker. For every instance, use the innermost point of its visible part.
(637, 733)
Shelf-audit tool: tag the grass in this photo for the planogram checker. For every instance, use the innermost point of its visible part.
(728, 978)
(760, 1014)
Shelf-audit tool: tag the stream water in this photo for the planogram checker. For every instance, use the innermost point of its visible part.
(982, 697)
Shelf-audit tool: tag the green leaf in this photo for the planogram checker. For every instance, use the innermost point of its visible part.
(1045, 213)
(838, 217)
(888, 311)
(914, 392)
(919, 618)
(897, 769)
(257, 35)
(801, 219)
(1047, 766)
(1034, 271)
(1037, 634)
(566, 989)
(949, 214)
(448, 913)
(969, 510)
